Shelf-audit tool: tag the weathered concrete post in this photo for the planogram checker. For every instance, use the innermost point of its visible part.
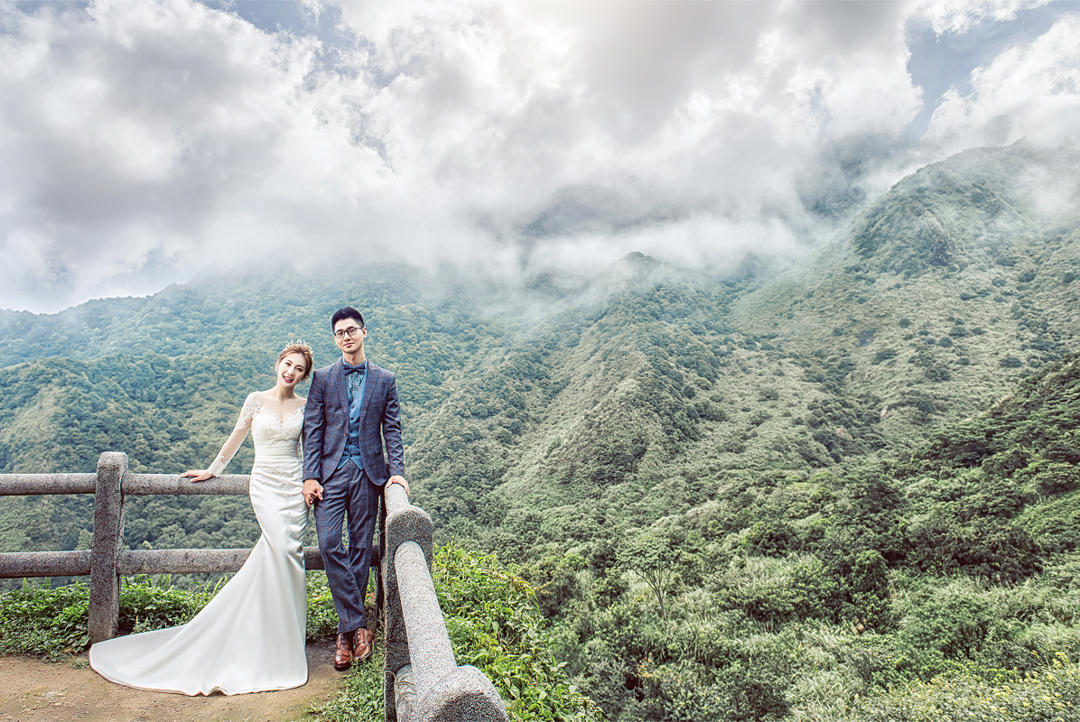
(444, 691)
(463, 694)
(422, 681)
(404, 522)
(104, 611)
(430, 653)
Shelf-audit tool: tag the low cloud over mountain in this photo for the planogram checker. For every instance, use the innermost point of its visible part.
(150, 143)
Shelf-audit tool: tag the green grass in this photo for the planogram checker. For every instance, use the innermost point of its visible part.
(48, 622)
(360, 698)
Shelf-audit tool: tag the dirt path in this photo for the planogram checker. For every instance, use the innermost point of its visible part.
(33, 690)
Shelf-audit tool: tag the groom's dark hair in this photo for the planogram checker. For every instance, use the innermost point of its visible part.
(347, 312)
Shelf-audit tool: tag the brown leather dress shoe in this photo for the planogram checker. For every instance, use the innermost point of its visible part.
(365, 644)
(343, 654)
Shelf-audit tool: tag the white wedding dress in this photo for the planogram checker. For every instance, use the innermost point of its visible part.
(250, 637)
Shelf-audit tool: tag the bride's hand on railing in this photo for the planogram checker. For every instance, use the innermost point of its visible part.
(198, 475)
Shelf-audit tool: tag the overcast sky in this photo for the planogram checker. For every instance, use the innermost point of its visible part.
(144, 143)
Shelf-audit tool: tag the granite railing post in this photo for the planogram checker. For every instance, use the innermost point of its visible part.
(404, 522)
(104, 613)
(422, 681)
(430, 653)
(445, 692)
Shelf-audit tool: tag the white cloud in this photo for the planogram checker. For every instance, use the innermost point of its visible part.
(1029, 91)
(960, 16)
(150, 142)
(597, 116)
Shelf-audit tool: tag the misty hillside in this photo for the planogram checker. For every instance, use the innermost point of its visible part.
(944, 289)
(748, 496)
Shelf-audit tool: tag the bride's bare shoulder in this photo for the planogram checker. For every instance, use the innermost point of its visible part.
(258, 398)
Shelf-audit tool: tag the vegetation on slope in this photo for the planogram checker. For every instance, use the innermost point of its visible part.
(788, 595)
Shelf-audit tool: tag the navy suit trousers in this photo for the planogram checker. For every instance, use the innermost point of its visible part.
(347, 492)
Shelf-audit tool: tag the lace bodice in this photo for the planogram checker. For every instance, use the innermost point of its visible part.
(268, 431)
(274, 437)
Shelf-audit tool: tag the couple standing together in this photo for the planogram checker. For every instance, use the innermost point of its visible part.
(250, 636)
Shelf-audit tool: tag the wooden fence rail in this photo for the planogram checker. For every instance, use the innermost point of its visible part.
(106, 562)
(422, 682)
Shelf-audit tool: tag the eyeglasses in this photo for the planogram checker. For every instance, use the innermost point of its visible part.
(351, 331)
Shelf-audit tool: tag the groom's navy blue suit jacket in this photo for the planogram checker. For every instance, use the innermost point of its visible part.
(326, 424)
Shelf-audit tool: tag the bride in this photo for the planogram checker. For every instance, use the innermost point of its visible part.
(250, 637)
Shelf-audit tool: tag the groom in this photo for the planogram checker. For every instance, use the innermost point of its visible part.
(352, 409)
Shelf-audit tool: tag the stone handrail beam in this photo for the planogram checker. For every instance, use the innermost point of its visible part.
(33, 484)
(132, 485)
(430, 652)
(144, 484)
(135, 561)
(44, 564)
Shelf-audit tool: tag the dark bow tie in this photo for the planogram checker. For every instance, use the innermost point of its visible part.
(360, 369)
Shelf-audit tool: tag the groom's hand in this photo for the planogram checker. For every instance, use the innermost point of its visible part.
(312, 490)
(397, 479)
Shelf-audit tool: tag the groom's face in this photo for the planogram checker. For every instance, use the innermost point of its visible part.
(349, 336)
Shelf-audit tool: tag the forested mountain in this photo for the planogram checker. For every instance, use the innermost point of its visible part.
(741, 496)
(958, 277)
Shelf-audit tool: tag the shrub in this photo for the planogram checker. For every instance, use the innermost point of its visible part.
(749, 685)
(869, 589)
(950, 625)
(937, 372)
(771, 537)
(1049, 694)
(884, 355)
(773, 592)
(43, 621)
(495, 624)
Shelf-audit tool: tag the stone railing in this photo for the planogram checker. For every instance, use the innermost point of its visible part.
(423, 683)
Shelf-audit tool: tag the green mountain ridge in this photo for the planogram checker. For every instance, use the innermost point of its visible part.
(968, 209)
(735, 494)
(930, 339)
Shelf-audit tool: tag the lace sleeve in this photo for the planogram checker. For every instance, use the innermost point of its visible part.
(251, 405)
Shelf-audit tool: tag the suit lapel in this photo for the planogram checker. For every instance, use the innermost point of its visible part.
(338, 381)
(369, 391)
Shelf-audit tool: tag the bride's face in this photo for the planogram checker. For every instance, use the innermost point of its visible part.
(292, 369)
